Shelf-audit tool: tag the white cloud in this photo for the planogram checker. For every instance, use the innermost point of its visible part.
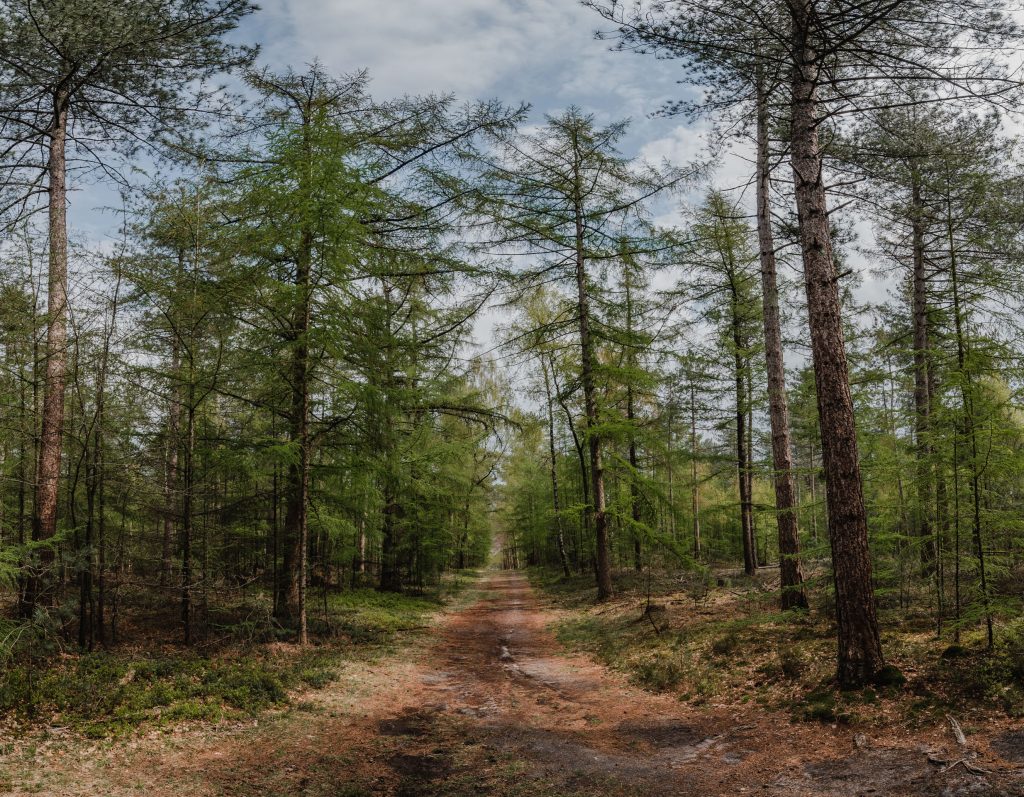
(419, 46)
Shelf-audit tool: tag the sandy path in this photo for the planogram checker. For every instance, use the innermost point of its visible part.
(491, 705)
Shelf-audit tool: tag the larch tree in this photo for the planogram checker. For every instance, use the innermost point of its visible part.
(177, 280)
(567, 199)
(889, 152)
(722, 281)
(839, 58)
(335, 191)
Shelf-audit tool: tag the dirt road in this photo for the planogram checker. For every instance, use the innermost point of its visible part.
(491, 705)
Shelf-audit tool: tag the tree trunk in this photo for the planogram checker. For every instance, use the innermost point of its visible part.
(970, 431)
(188, 476)
(588, 365)
(813, 468)
(87, 630)
(859, 643)
(40, 589)
(559, 536)
(922, 399)
(296, 526)
(694, 481)
(942, 512)
(634, 475)
(171, 463)
(581, 459)
(791, 582)
(390, 567)
(670, 476)
(742, 473)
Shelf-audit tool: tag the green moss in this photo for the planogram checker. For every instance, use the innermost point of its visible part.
(660, 674)
(726, 645)
(791, 664)
(318, 677)
(820, 706)
(110, 693)
(890, 676)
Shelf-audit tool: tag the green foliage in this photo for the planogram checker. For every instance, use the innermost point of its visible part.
(370, 615)
(104, 694)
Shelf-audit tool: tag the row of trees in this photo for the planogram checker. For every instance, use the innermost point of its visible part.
(933, 399)
(263, 380)
(266, 380)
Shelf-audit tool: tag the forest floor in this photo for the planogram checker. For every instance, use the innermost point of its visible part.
(489, 702)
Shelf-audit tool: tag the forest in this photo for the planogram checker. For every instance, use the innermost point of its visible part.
(301, 384)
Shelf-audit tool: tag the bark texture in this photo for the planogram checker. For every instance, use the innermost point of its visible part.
(792, 586)
(859, 644)
(40, 588)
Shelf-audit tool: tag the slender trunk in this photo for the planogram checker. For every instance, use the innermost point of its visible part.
(813, 466)
(957, 601)
(859, 642)
(970, 431)
(669, 475)
(94, 488)
(171, 463)
(791, 579)
(101, 545)
(581, 459)
(275, 535)
(390, 567)
(44, 519)
(361, 543)
(941, 501)
(559, 536)
(760, 557)
(26, 434)
(922, 400)
(292, 603)
(588, 364)
(694, 480)
(188, 477)
(746, 513)
(390, 554)
(634, 486)
(100, 629)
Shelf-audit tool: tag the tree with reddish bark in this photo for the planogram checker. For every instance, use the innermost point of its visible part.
(838, 57)
(80, 80)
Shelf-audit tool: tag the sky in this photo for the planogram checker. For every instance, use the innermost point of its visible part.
(542, 52)
(538, 51)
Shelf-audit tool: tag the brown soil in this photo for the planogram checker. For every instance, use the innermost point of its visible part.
(491, 705)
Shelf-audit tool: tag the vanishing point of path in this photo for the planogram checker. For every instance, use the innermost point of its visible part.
(491, 705)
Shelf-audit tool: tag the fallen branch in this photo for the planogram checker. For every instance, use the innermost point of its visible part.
(967, 765)
(958, 732)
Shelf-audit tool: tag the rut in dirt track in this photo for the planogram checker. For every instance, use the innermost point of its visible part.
(492, 705)
(568, 726)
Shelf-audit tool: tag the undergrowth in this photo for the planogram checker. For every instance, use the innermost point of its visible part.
(729, 644)
(110, 693)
